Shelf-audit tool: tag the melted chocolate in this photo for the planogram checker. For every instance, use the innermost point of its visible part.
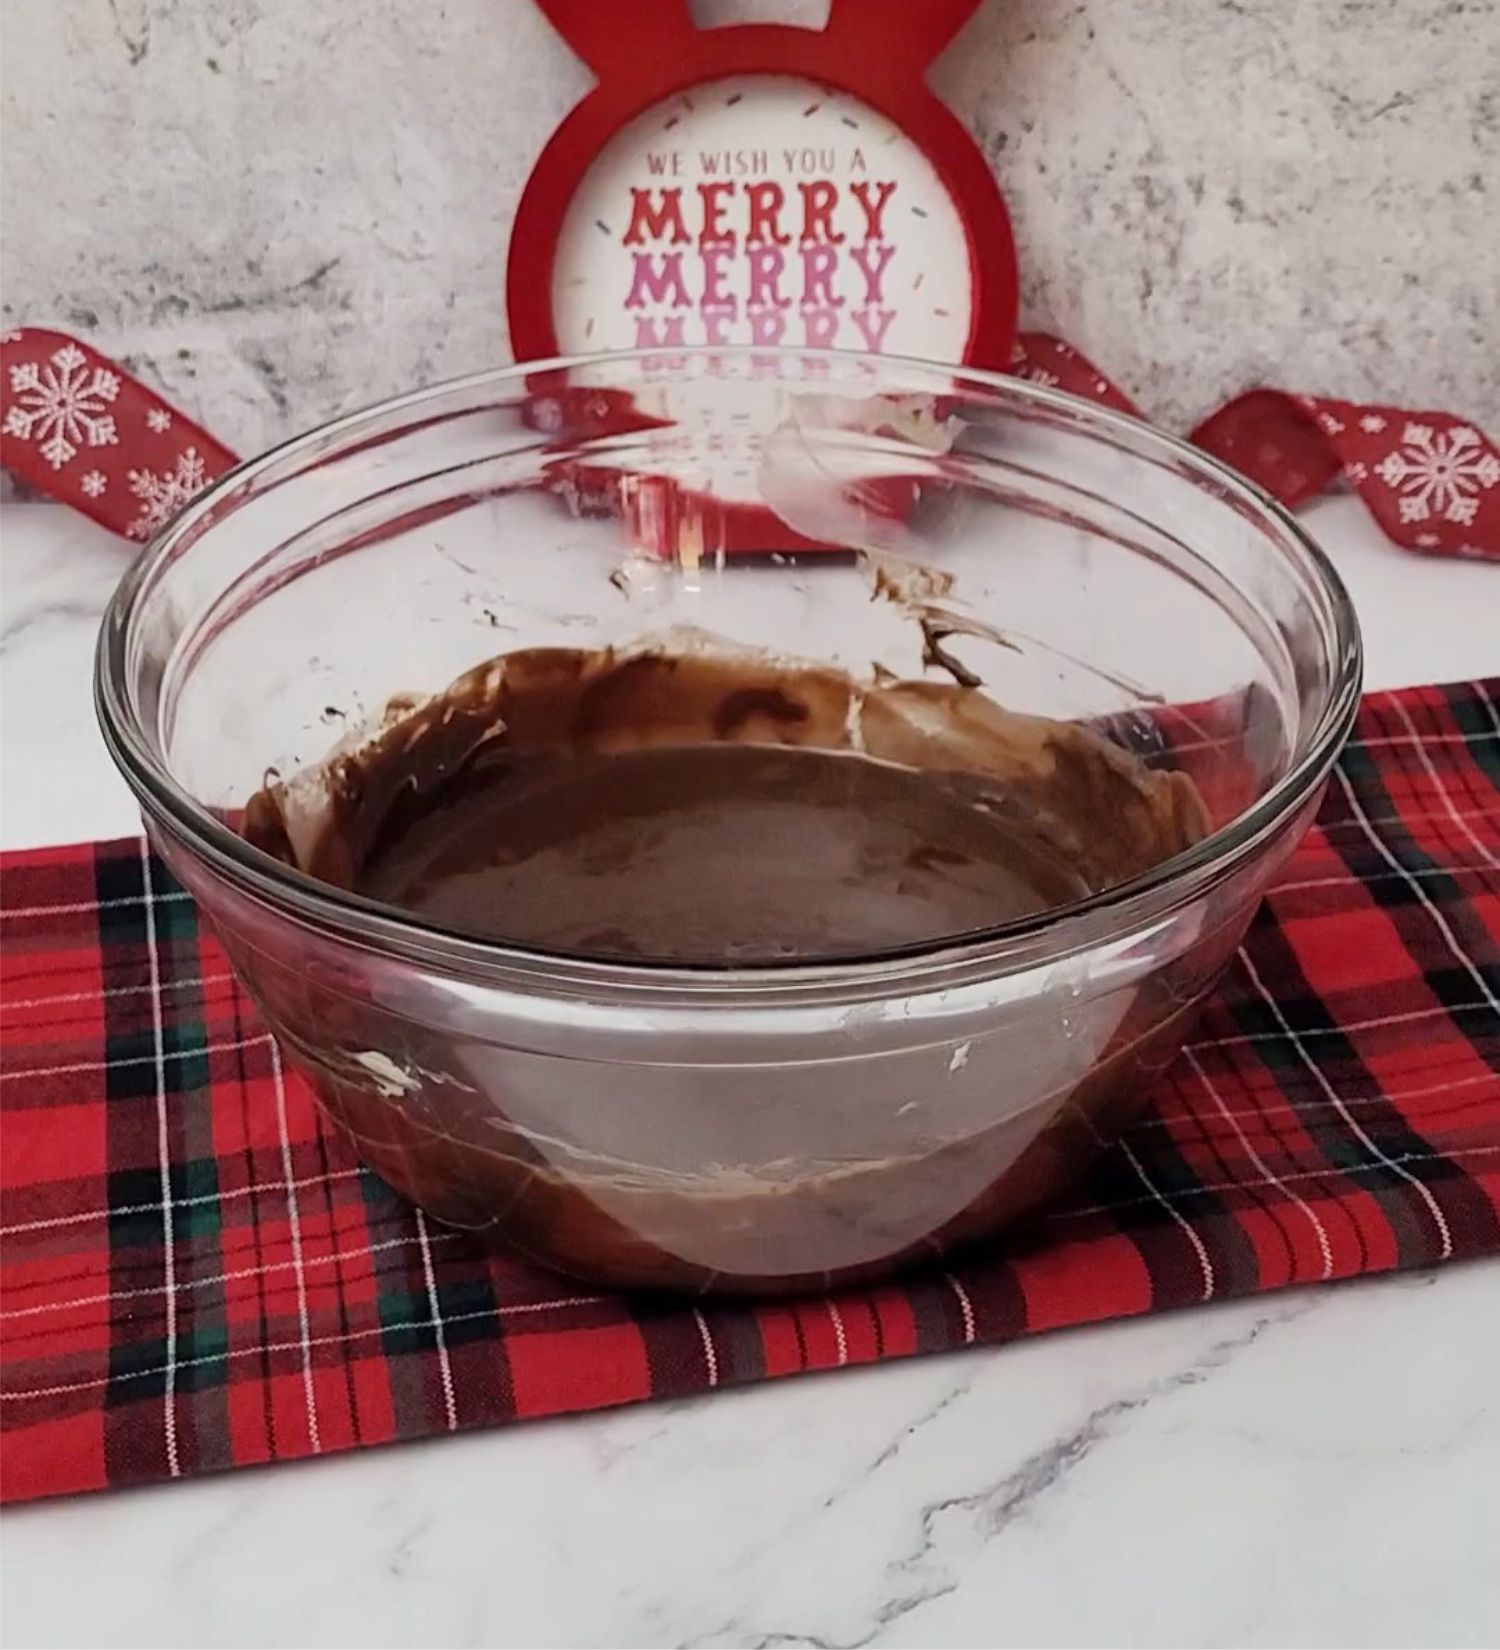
(682, 803)
(777, 809)
(713, 853)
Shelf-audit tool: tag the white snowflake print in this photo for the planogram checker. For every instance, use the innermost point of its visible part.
(10, 337)
(163, 495)
(1040, 375)
(1372, 423)
(61, 405)
(1439, 473)
(1332, 425)
(159, 420)
(94, 483)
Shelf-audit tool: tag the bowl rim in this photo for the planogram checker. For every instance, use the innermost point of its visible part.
(1047, 936)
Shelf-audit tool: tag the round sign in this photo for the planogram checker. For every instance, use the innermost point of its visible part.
(762, 185)
(763, 210)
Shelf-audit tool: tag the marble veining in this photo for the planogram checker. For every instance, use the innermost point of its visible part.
(919, 1576)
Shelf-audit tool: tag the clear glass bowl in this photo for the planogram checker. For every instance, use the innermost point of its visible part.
(763, 1127)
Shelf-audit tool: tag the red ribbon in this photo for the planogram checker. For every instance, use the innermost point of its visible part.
(1430, 480)
(79, 428)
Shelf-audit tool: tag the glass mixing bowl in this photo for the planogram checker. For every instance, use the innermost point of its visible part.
(783, 1124)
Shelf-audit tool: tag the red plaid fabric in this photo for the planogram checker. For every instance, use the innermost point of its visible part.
(196, 1276)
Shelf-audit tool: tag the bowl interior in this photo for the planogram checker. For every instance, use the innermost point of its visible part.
(838, 509)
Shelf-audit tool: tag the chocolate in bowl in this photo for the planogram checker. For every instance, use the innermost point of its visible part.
(860, 1084)
(683, 802)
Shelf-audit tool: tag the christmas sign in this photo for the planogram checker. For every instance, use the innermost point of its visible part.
(762, 185)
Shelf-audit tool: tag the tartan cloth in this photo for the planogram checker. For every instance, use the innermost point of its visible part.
(196, 1276)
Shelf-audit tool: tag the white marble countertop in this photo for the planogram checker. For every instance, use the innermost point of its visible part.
(1311, 1468)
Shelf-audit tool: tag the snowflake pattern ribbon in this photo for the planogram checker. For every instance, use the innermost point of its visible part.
(164, 493)
(1431, 481)
(1439, 475)
(76, 426)
(61, 405)
(79, 428)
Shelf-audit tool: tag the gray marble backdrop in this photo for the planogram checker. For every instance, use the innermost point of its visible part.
(281, 208)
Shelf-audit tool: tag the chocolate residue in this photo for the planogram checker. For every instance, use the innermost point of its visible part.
(681, 801)
(510, 737)
(921, 589)
(736, 709)
(906, 583)
(935, 655)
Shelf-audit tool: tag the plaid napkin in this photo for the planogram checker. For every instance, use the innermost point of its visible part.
(196, 1276)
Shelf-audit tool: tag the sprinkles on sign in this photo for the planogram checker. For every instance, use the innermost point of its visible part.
(759, 210)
